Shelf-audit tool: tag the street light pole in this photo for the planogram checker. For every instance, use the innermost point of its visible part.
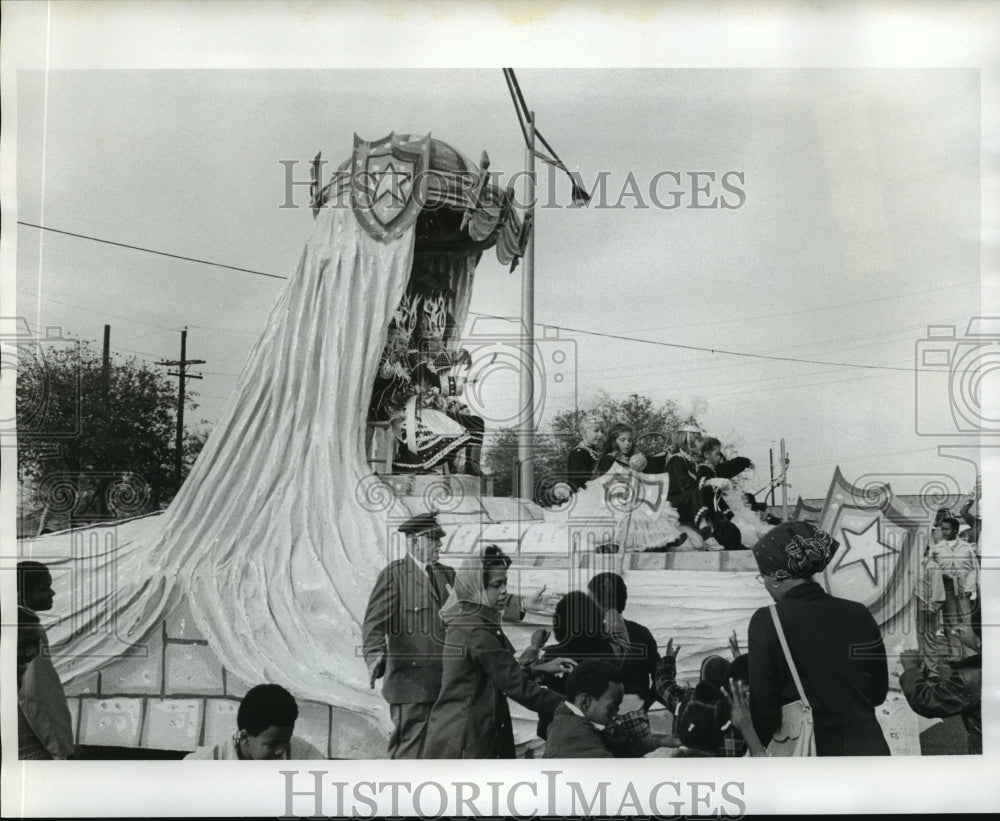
(525, 446)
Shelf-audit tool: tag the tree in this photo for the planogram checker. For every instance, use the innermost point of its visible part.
(92, 433)
(501, 457)
(654, 427)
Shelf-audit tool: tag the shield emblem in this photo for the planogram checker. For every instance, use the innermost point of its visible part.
(389, 183)
(880, 548)
(630, 492)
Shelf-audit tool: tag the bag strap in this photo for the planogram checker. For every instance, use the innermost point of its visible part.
(788, 655)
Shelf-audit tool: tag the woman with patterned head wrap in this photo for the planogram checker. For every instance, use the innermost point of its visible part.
(471, 718)
(835, 644)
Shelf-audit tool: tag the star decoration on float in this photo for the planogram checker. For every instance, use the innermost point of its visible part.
(390, 182)
(864, 547)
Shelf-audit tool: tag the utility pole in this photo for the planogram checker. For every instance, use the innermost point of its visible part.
(106, 360)
(525, 446)
(182, 374)
(784, 483)
(770, 491)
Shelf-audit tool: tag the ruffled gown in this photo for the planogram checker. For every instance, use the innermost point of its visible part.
(631, 508)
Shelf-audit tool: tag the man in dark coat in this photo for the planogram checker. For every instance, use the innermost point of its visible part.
(403, 634)
(835, 644)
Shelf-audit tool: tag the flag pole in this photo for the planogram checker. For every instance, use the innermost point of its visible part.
(525, 447)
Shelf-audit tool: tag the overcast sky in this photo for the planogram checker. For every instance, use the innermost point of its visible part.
(859, 224)
(858, 228)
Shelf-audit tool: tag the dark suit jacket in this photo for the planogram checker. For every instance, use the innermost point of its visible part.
(579, 467)
(840, 657)
(573, 736)
(639, 665)
(470, 718)
(683, 480)
(402, 619)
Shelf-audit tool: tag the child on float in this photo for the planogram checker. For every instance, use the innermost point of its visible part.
(637, 516)
(440, 375)
(727, 507)
(582, 460)
(684, 492)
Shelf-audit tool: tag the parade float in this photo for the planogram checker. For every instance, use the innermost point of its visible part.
(261, 567)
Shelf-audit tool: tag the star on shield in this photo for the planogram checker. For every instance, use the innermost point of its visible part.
(865, 547)
(386, 179)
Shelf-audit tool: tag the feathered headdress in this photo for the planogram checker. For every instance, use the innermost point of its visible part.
(407, 314)
(435, 316)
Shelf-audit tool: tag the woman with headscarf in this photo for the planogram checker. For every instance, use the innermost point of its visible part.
(835, 644)
(471, 718)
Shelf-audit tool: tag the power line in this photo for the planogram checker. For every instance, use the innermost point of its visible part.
(838, 459)
(98, 313)
(708, 350)
(853, 343)
(150, 250)
(620, 337)
(164, 328)
(811, 310)
(140, 353)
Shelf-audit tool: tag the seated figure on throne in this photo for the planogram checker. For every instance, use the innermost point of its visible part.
(416, 390)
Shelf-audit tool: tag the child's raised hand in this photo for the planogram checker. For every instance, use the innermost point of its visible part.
(738, 697)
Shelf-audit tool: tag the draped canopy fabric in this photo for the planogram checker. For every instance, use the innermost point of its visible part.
(273, 541)
(267, 537)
